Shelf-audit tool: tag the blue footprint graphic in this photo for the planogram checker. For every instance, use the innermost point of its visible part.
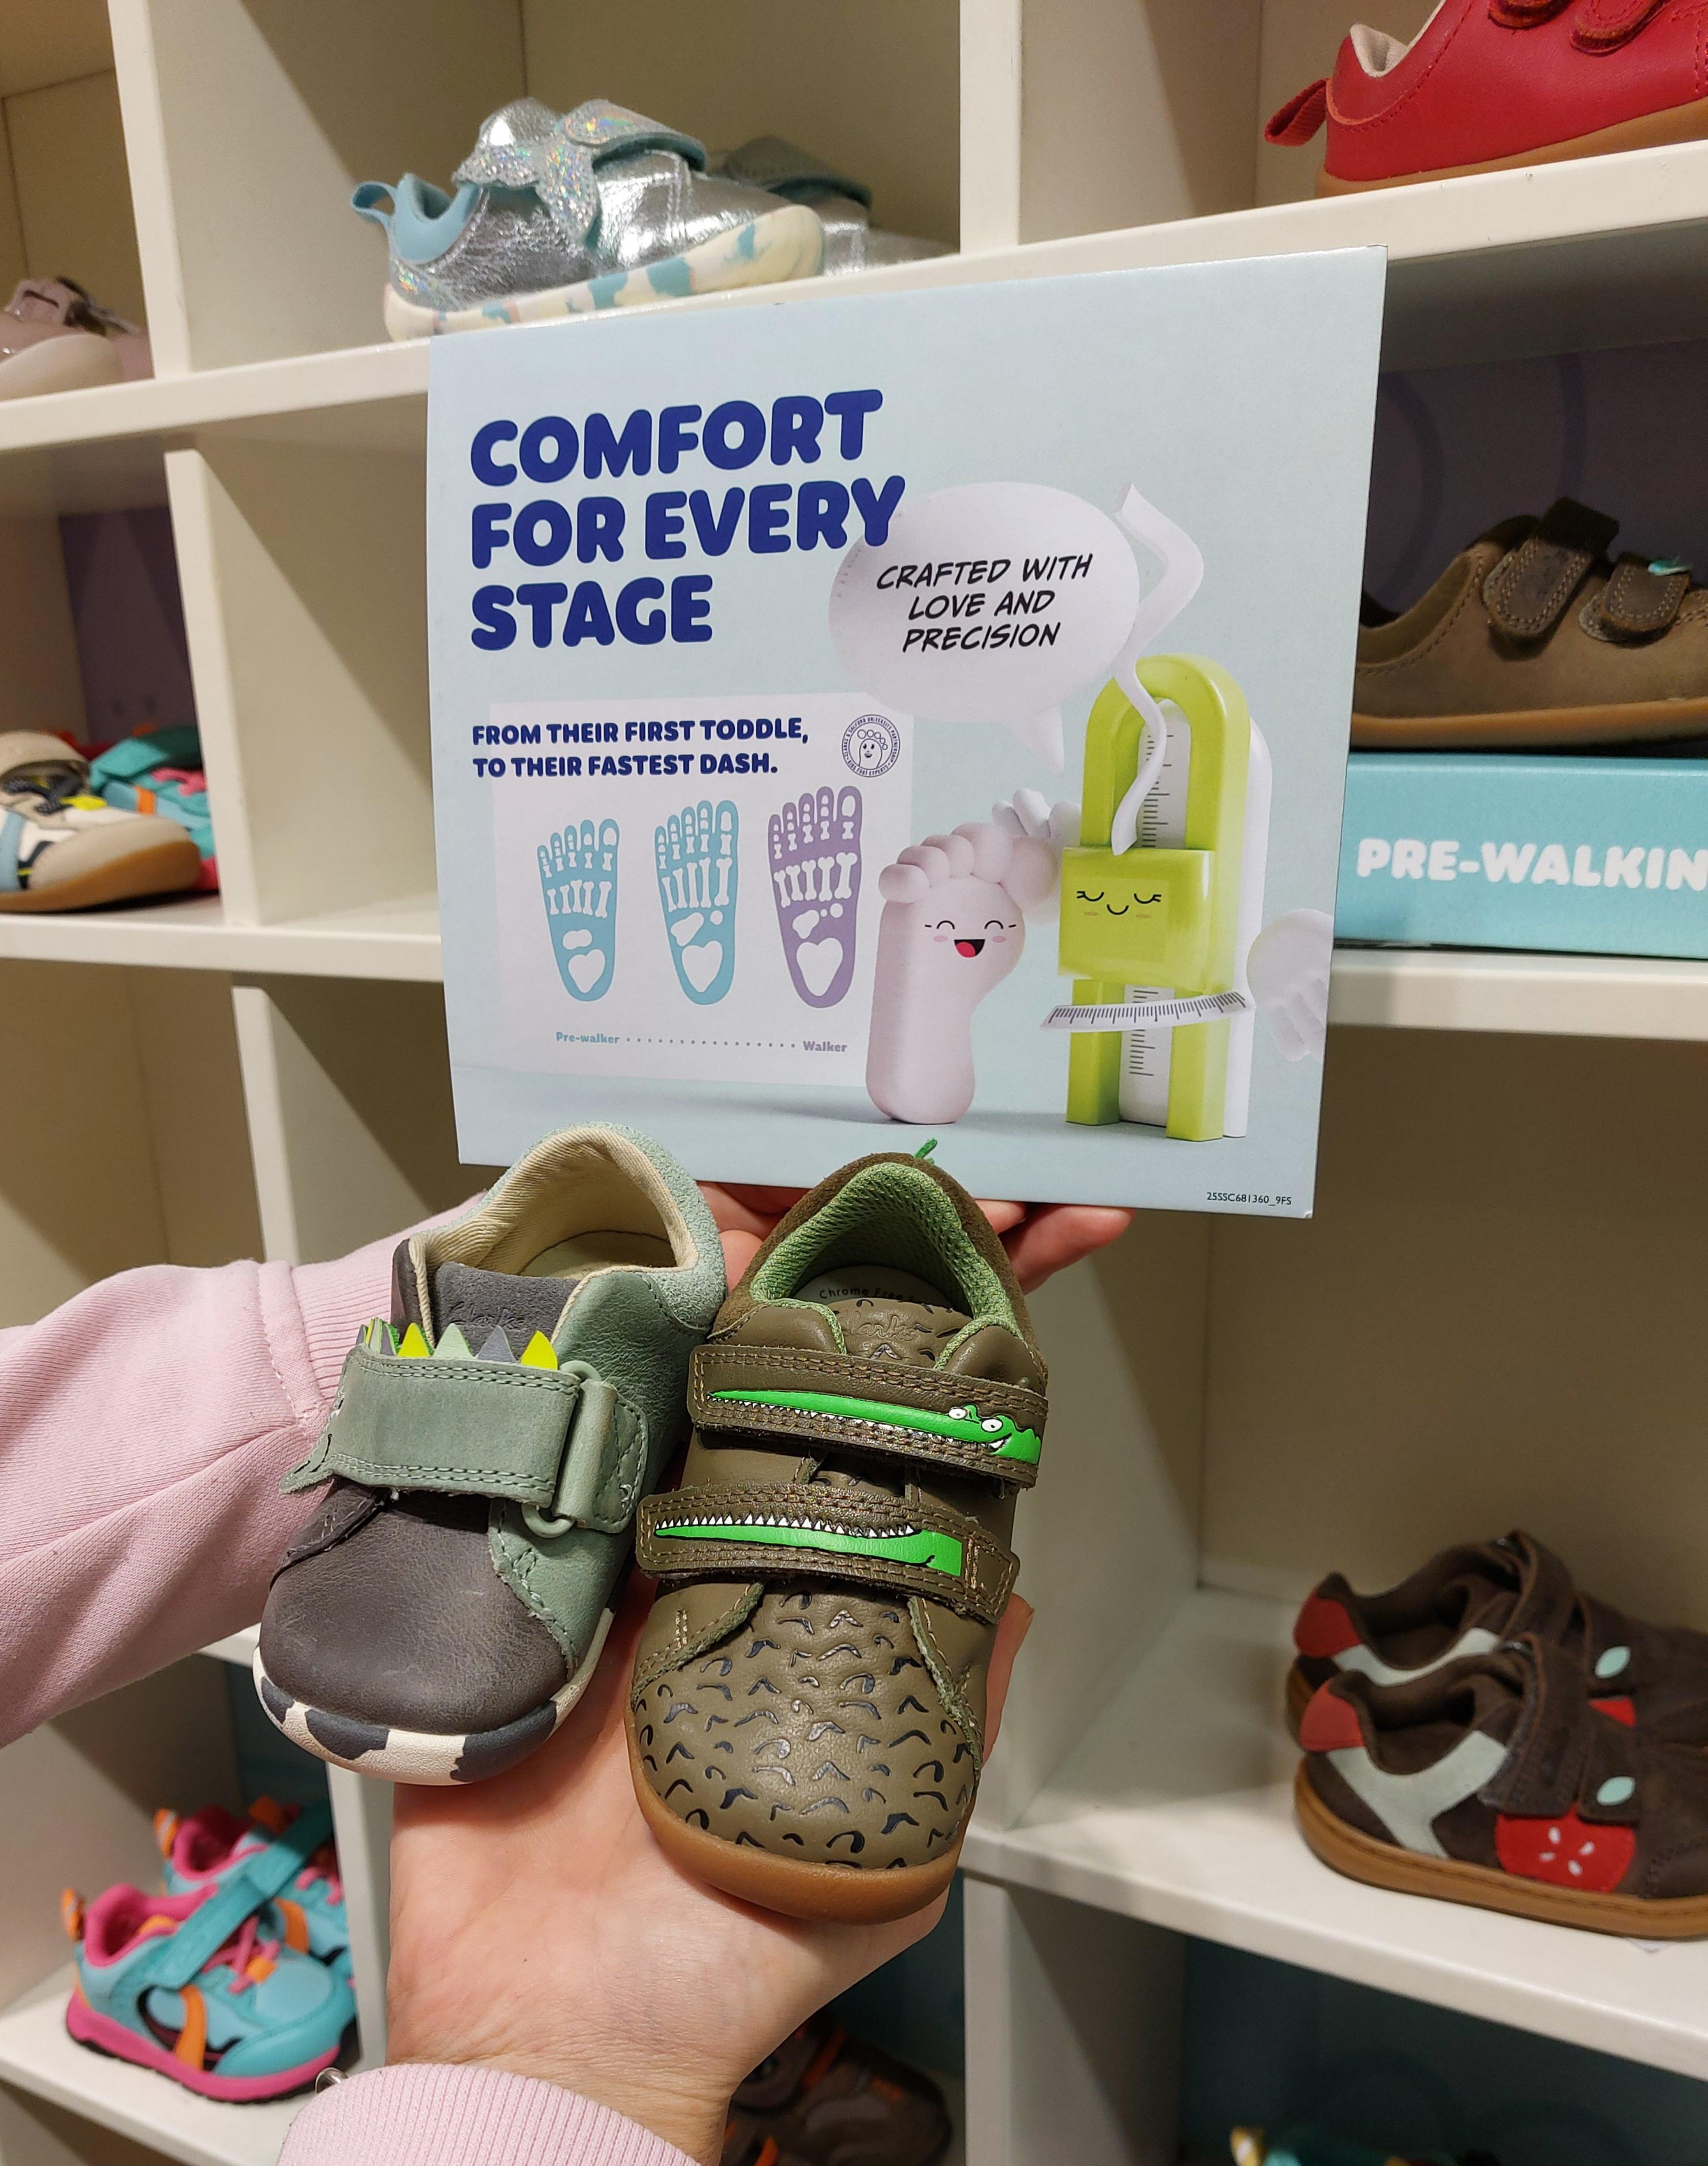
(579, 882)
(696, 881)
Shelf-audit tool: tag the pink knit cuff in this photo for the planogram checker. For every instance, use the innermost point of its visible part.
(421, 2116)
(337, 1299)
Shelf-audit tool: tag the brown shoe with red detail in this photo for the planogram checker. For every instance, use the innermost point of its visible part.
(824, 2098)
(1493, 84)
(1468, 1599)
(1497, 1782)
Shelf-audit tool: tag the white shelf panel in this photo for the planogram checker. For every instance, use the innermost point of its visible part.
(1541, 995)
(39, 2055)
(1178, 1810)
(1590, 252)
(396, 939)
(237, 1647)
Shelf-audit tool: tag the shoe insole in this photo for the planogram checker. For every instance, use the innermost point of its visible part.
(589, 1252)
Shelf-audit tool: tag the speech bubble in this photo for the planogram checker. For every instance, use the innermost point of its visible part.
(988, 603)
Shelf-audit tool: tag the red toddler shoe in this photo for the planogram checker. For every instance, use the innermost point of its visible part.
(1488, 84)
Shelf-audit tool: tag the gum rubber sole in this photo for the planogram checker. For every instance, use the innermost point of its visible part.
(1360, 1857)
(767, 251)
(433, 1759)
(796, 1886)
(1641, 721)
(169, 868)
(105, 2034)
(1649, 131)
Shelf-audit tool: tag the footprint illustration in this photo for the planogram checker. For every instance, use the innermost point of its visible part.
(815, 879)
(578, 881)
(697, 870)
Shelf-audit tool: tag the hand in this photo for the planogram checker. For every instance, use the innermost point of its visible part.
(1042, 1239)
(1288, 971)
(537, 1927)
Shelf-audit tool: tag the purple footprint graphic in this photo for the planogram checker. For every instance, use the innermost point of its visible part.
(815, 879)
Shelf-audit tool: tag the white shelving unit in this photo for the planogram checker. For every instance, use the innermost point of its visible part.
(1501, 1291)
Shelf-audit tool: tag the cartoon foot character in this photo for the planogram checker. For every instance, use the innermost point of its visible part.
(953, 926)
(578, 884)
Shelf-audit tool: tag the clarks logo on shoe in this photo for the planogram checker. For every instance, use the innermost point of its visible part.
(1645, 865)
(902, 1544)
(997, 1432)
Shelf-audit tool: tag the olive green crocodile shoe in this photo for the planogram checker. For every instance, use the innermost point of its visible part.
(442, 1608)
(807, 1716)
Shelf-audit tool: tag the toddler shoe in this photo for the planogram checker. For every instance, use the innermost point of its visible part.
(842, 206)
(160, 771)
(276, 1846)
(61, 847)
(1496, 1781)
(441, 1612)
(824, 2098)
(193, 1987)
(1533, 636)
(53, 337)
(1488, 84)
(560, 214)
(807, 1715)
(1468, 1599)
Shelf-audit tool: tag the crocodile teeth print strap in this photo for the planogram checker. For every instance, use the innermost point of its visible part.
(972, 1424)
(758, 1531)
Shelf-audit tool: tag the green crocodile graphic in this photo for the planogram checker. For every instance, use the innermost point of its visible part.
(997, 1432)
(902, 1545)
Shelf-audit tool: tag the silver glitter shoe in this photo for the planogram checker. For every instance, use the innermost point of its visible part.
(852, 241)
(563, 214)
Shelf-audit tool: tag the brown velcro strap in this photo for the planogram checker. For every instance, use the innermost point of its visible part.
(1638, 601)
(756, 1530)
(1301, 116)
(1543, 1770)
(975, 1426)
(1526, 593)
(1546, 1595)
(1602, 26)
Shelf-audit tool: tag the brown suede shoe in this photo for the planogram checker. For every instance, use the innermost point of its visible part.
(1466, 1600)
(1497, 1782)
(824, 2098)
(1531, 636)
(807, 1719)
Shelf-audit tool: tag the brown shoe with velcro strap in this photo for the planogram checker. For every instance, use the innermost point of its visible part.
(1534, 636)
(807, 1716)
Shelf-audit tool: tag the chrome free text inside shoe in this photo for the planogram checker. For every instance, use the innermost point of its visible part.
(444, 1607)
(807, 1718)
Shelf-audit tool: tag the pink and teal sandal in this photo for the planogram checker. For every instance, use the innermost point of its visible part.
(204, 1850)
(189, 1986)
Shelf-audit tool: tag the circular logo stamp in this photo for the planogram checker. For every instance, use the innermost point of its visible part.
(871, 746)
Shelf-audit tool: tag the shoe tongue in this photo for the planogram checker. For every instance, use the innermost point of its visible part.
(481, 1303)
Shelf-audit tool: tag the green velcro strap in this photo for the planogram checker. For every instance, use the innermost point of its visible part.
(546, 1439)
(886, 1544)
(972, 1424)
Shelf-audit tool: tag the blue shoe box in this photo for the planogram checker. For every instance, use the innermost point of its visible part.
(1581, 856)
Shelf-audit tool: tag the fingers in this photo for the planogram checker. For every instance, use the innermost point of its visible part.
(747, 1210)
(1053, 1235)
(1015, 1622)
(739, 1251)
(1002, 1216)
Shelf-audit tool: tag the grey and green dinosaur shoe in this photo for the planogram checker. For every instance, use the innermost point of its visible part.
(442, 1611)
(806, 1717)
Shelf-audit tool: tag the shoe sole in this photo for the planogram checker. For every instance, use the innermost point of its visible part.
(797, 1887)
(73, 362)
(1361, 1856)
(104, 2034)
(782, 244)
(1649, 131)
(426, 1758)
(1642, 721)
(164, 869)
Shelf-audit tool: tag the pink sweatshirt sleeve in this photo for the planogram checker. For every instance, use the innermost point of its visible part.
(143, 1428)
